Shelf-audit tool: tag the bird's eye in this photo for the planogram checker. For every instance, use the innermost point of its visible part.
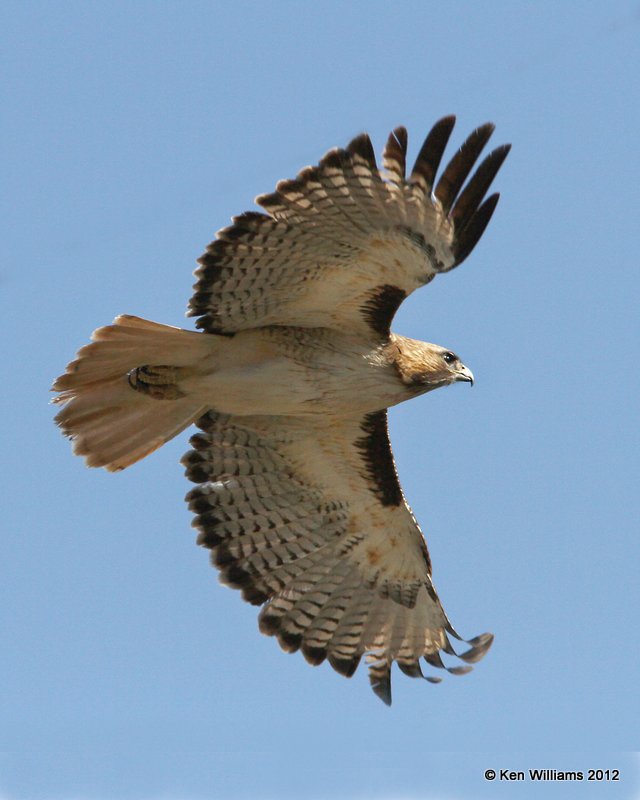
(450, 358)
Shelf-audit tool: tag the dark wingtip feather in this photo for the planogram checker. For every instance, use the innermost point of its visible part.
(270, 200)
(462, 670)
(361, 146)
(460, 166)
(290, 642)
(231, 575)
(473, 193)
(335, 158)
(434, 660)
(344, 666)
(469, 237)
(380, 680)
(412, 669)
(479, 647)
(448, 121)
(394, 157)
(313, 655)
(432, 150)
(269, 624)
(254, 596)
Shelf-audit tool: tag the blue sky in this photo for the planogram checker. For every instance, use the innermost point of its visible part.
(132, 132)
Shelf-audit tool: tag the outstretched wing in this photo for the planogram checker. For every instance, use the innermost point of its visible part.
(343, 244)
(307, 517)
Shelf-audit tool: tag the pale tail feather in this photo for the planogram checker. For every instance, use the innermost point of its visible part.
(111, 424)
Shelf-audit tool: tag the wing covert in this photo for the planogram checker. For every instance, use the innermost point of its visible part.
(339, 232)
(307, 518)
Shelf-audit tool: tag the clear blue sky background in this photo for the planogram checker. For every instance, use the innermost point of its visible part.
(132, 132)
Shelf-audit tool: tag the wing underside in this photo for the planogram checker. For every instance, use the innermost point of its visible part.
(341, 231)
(308, 520)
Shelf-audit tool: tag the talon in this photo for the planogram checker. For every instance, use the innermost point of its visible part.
(155, 381)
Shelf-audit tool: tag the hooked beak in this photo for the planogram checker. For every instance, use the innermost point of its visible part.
(464, 374)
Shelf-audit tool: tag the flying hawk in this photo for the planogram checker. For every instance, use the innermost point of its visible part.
(289, 382)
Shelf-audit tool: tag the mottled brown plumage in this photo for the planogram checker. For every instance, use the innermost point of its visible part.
(297, 494)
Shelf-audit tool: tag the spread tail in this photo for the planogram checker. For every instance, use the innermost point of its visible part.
(116, 408)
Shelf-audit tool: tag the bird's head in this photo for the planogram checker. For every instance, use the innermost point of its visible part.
(424, 366)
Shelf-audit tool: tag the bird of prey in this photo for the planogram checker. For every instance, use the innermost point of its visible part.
(289, 381)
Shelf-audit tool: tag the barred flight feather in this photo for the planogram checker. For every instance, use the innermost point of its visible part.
(341, 573)
(330, 233)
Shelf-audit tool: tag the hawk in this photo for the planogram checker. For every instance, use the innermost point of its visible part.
(289, 381)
